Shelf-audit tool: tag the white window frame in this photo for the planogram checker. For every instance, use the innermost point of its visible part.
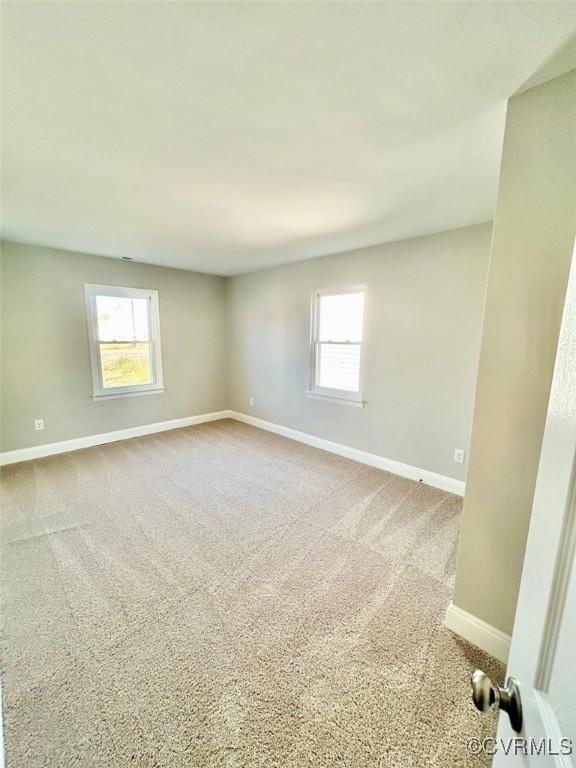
(156, 386)
(328, 393)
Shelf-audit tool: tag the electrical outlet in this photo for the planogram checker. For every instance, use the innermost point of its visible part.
(38, 425)
(251, 402)
(459, 456)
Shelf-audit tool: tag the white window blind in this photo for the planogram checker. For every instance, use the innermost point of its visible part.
(337, 342)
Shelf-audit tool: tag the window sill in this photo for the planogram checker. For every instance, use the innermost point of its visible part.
(134, 393)
(353, 401)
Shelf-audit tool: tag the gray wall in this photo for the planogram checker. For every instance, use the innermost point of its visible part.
(534, 231)
(423, 316)
(45, 360)
(423, 322)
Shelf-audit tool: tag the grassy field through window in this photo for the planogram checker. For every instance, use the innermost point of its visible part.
(125, 365)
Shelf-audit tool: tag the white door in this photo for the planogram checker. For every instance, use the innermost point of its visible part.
(543, 652)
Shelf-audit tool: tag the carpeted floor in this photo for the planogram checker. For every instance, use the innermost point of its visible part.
(221, 596)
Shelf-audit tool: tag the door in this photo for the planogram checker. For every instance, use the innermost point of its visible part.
(543, 651)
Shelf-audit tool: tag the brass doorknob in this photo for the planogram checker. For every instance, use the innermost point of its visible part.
(485, 694)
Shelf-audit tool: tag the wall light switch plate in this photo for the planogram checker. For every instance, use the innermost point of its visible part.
(251, 402)
(459, 455)
(38, 425)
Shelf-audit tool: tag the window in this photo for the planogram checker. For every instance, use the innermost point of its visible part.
(337, 329)
(124, 333)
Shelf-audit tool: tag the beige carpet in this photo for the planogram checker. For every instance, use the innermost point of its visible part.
(221, 596)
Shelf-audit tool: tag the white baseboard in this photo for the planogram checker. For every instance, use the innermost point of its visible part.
(50, 449)
(372, 459)
(478, 632)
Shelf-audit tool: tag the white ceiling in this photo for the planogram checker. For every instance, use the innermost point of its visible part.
(230, 137)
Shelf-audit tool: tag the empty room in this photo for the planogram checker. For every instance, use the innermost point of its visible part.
(288, 384)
